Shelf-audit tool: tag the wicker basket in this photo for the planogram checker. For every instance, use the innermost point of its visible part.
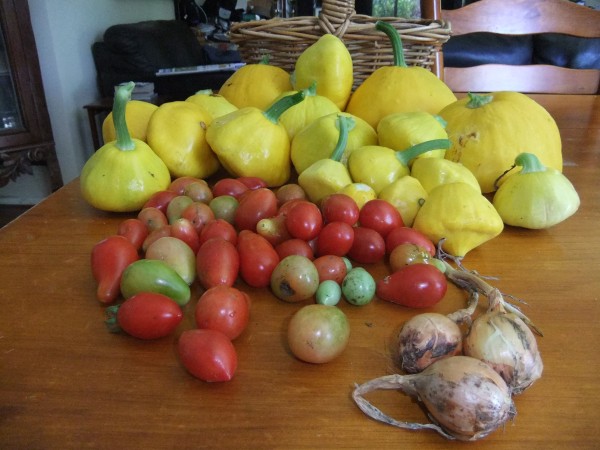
(284, 39)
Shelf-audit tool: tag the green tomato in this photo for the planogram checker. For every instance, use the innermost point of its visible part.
(358, 287)
(294, 279)
(328, 293)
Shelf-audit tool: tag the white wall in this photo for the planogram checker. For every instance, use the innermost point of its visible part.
(64, 32)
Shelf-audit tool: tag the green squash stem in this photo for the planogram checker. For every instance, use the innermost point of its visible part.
(122, 96)
(282, 105)
(530, 163)
(478, 100)
(405, 156)
(395, 40)
(345, 124)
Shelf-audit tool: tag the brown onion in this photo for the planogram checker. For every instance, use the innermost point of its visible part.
(465, 398)
(503, 340)
(426, 338)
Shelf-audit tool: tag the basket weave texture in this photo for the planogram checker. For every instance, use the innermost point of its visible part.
(283, 40)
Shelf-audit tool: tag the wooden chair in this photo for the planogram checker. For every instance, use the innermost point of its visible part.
(520, 17)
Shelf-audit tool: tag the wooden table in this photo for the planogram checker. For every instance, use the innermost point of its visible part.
(65, 382)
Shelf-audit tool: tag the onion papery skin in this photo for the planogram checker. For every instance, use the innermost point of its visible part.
(502, 340)
(426, 338)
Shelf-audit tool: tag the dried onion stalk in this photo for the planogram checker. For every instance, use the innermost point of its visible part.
(465, 398)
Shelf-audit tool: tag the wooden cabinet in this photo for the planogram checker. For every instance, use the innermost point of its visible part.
(25, 132)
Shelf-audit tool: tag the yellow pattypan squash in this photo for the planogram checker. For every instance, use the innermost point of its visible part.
(407, 195)
(123, 174)
(257, 85)
(137, 116)
(177, 133)
(216, 105)
(460, 215)
(398, 88)
(489, 131)
(327, 63)
(432, 172)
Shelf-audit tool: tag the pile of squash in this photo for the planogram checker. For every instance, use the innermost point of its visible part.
(407, 139)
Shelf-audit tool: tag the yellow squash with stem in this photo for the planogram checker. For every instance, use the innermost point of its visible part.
(398, 88)
(137, 116)
(216, 105)
(123, 174)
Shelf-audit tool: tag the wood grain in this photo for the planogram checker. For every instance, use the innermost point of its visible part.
(65, 382)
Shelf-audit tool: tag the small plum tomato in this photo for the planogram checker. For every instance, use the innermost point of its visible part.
(209, 355)
(253, 182)
(134, 230)
(179, 184)
(224, 207)
(368, 246)
(304, 220)
(380, 215)
(340, 208)
(153, 218)
(146, 315)
(229, 186)
(407, 253)
(160, 200)
(199, 191)
(331, 267)
(223, 308)
(401, 235)
(218, 228)
(258, 259)
(255, 205)
(217, 263)
(335, 238)
(290, 191)
(414, 286)
(295, 279)
(318, 333)
(295, 247)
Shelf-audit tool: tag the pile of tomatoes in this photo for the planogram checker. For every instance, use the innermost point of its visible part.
(240, 231)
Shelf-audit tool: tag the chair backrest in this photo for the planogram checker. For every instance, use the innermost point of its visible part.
(522, 17)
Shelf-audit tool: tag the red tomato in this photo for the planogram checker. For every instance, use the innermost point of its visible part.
(217, 263)
(290, 191)
(273, 229)
(153, 218)
(184, 230)
(135, 230)
(147, 315)
(218, 228)
(340, 208)
(109, 258)
(178, 185)
(225, 309)
(380, 215)
(368, 246)
(253, 182)
(403, 235)
(198, 213)
(254, 206)
(331, 267)
(229, 186)
(335, 238)
(258, 259)
(415, 286)
(160, 200)
(294, 247)
(304, 220)
(207, 354)
(154, 235)
(199, 191)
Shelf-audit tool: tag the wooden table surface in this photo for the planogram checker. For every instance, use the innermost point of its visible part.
(66, 382)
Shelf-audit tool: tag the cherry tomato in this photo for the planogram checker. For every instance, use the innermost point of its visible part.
(217, 263)
(294, 247)
(207, 354)
(331, 267)
(380, 215)
(273, 229)
(224, 207)
(229, 186)
(253, 182)
(218, 228)
(153, 218)
(178, 185)
(258, 259)
(198, 214)
(160, 200)
(358, 286)
(294, 279)
(368, 246)
(135, 230)
(155, 235)
(199, 191)
(146, 315)
(290, 191)
(184, 230)
(304, 220)
(340, 208)
(405, 254)
(176, 207)
(318, 333)
(254, 206)
(225, 309)
(401, 235)
(414, 286)
(335, 238)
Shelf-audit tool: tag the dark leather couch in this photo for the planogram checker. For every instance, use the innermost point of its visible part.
(136, 51)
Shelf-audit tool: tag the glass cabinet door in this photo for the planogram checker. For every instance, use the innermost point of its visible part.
(10, 114)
